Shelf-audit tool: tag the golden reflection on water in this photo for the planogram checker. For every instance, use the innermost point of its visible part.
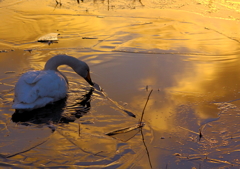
(190, 61)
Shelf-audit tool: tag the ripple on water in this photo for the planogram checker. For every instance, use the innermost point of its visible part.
(192, 58)
(71, 134)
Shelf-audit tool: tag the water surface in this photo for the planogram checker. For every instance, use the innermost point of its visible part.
(186, 51)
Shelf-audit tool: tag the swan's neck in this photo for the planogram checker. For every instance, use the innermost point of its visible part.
(80, 67)
(54, 62)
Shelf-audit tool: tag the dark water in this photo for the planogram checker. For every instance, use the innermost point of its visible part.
(187, 52)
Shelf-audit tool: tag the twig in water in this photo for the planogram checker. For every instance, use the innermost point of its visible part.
(88, 152)
(200, 131)
(79, 1)
(79, 129)
(200, 134)
(140, 1)
(140, 122)
(117, 105)
(60, 3)
(149, 159)
(21, 152)
(123, 130)
(188, 130)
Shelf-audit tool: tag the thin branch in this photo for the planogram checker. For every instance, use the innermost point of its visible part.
(140, 122)
(123, 130)
(9, 156)
(117, 105)
(188, 130)
(149, 159)
(79, 129)
(88, 152)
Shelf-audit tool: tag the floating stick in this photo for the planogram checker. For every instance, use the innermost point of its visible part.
(99, 89)
(141, 125)
(140, 122)
(148, 155)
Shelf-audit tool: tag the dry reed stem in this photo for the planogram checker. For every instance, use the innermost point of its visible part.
(140, 122)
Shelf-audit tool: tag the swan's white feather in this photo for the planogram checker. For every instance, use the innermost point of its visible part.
(36, 89)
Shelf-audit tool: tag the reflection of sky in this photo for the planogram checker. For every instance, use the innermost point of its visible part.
(190, 61)
(197, 79)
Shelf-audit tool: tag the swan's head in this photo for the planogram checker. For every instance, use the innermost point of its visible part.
(88, 79)
(83, 70)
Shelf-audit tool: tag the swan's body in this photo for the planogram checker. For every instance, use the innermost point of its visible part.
(36, 89)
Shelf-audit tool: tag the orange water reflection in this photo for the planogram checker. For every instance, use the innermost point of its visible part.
(191, 61)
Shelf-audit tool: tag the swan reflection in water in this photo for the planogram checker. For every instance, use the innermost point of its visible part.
(54, 113)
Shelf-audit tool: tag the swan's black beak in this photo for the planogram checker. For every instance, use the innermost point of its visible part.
(89, 80)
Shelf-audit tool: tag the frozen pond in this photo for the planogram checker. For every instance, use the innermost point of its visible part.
(187, 52)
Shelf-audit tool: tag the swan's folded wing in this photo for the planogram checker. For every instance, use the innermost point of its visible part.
(52, 85)
(32, 77)
(24, 89)
(40, 102)
(39, 89)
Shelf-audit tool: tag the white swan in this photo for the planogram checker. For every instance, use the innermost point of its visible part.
(36, 89)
